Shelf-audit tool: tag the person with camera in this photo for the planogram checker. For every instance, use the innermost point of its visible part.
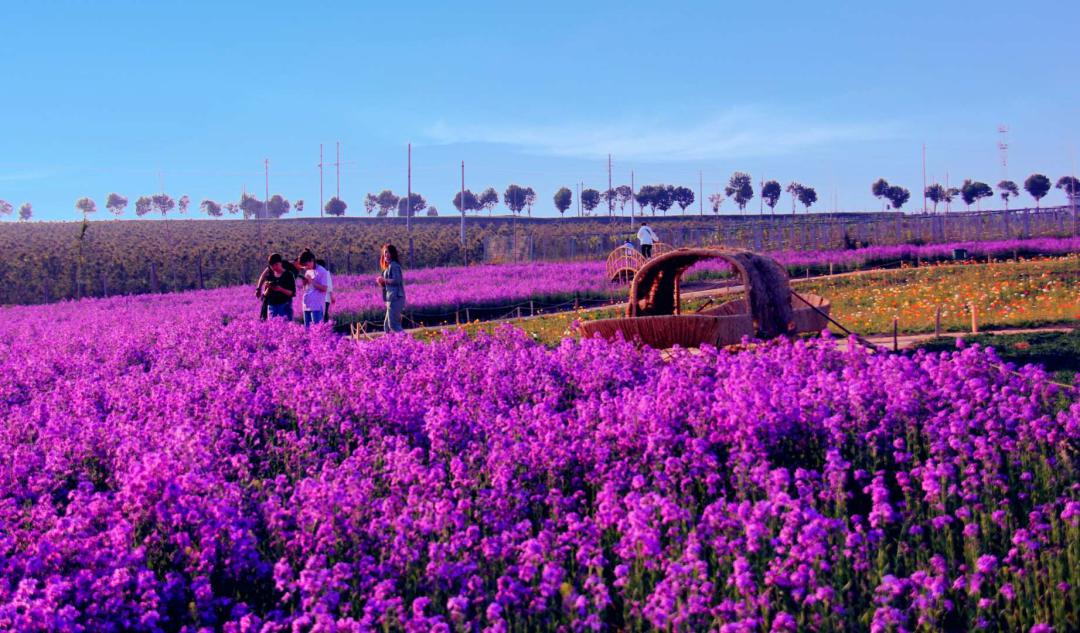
(276, 288)
(316, 282)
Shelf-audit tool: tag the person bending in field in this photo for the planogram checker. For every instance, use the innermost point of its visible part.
(392, 282)
(646, 238)
(276, 288)
(329, 289)
(315, 280)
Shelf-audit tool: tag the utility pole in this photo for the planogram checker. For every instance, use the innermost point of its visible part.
(700, 189)
(321, 201)
(464, 252)
(948, 200)
(337, 166)
(632, 198)
(579, 200)
(266, 199)
(924, 178)
(1003, 146)
(610, 202)
(408, 208)
(761, 198)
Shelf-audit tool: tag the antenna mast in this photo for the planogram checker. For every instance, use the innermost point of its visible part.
(1003, 147)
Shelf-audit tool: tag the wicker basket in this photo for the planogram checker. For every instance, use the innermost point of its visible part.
(653, 315)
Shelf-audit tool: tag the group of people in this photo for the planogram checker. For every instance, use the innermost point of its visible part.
(277, 286)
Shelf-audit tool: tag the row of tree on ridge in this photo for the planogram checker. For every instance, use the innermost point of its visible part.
(518, 199)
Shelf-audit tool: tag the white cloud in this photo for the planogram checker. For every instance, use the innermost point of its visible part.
(737, 133)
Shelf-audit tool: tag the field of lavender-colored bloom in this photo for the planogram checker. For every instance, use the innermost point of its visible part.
(260, 477)
(435, 294)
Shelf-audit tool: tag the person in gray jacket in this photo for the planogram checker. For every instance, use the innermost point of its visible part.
(392, 282)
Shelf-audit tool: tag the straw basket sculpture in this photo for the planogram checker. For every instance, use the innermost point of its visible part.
(654, 314)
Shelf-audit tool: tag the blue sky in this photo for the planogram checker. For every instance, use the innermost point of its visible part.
(110, 96)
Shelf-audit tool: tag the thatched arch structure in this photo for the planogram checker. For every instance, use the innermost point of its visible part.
(655, 288)
(654, 315)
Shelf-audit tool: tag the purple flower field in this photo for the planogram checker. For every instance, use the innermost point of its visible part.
(444, 290)
(163, 472)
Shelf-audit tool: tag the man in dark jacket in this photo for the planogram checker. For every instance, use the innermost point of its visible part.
(276, 288)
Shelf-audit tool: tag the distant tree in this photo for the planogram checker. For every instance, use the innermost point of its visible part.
(26, 211)
(415, 205)
(530, 199)
(162, 203)
(1037, 186)
(298, 206)
(514, 198)
(609, 197)
(5, 207)
(335, 206)
(770, 193)
(897, 196)
(371, 202)
(85, 206)
(936, 194)
(880, 188)
(716, 200)
(683, 196)
(278, 206)
(807, 196)
(231, 208)
(623, 195)
(116, 203)
(974, 191)
(646, 197)
(143, 205)
(563, 198)
(950, 194)
(1071, 186)
(472, 203)
(590, 198)
(182, 204)
(664, 197)
(432, 212)
(251, 206)
(387, 201)
(1008, 189)
(211, 208)
(793, 190)
(489, 199)
(740, 188)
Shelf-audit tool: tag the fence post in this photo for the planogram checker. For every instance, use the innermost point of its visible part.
(895, 334)
(937, 323)
(974, 319)
(467, 320)
(532, 309)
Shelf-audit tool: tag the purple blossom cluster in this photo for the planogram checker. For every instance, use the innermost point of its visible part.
(253, 476)
(874, 255)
